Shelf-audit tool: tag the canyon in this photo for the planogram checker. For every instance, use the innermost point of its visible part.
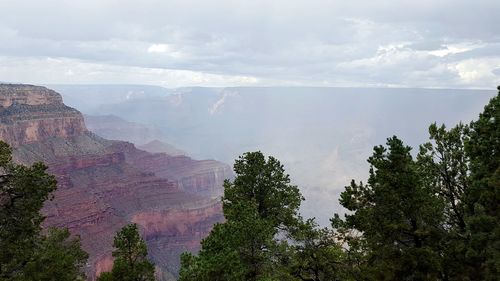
(322, 135)
(148, 138)
(105, 184)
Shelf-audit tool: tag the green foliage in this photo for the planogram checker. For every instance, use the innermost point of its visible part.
(57, 255)
(398, 215)
(218, 259)
(446, 166)
(26, 253)
(315, 254)
(435, 218)
(483, 196)
(259, 204)
(263, 237)
(261, 187)
(105, 276)
(131, 263)
(463, 164)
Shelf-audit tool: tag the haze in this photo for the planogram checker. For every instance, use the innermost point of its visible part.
(310, 82)
(322, 135)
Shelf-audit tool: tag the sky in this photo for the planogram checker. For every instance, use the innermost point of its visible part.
(348, 43)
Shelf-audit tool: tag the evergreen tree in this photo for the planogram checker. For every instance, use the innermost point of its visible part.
(315, 255)
(446, 167)
(435, 217)
(263, 237)
(25, 252)
(131, 263)
(398, 215)
(259, 205)
(463, 166)
(57, 258)
(453, 189)
(482, 198)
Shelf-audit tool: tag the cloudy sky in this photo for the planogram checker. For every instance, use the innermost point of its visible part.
(419, 43)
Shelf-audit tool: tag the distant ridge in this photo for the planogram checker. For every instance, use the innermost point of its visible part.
(157, 146)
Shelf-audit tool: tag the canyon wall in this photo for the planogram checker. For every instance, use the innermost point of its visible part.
(30, 114)
(27, 95)
(103, 184)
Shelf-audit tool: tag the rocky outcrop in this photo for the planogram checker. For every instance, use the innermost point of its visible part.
(32, 114)
(27, 95)
(194, 176)
(103, 185)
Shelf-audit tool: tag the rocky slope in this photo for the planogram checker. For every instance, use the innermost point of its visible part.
(103, 184)
(148, 138)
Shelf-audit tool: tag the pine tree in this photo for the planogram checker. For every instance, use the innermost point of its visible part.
(451, 194)
(398, 215)
(482, 198)
(463, 166)
(258, 205)
(26, 253)
(57, 255)
(263, 237)
(445, 165)
(131, 263)
(315, 254)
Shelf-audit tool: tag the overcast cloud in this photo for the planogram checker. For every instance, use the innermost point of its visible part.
(420, 43)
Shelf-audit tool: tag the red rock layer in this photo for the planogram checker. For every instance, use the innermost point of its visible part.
(27, 94)
(202, 177)
(31, 114)
(103, 185)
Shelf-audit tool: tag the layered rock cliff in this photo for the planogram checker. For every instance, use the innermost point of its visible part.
(103, 184)
(32, 114)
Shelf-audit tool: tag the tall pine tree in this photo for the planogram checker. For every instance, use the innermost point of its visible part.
(263, 237)
(397, 215)
(482, 198)
(131, 263)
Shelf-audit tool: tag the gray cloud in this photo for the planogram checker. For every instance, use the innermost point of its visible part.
(343, 43)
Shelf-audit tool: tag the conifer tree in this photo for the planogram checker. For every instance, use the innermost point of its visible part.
(26, 253)
(263, 237)
(398, 216)
(482, 198)
(131, 263)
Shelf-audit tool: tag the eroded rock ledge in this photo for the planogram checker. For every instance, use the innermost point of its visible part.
(103, 184)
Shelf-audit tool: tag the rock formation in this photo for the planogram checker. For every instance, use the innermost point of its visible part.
(115, 128)
(145, 137)
(103, 184)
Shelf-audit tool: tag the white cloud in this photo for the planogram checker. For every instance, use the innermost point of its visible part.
(334, 43)
(158, 48)
(477, 71)
(53, 71)
(455, 49)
